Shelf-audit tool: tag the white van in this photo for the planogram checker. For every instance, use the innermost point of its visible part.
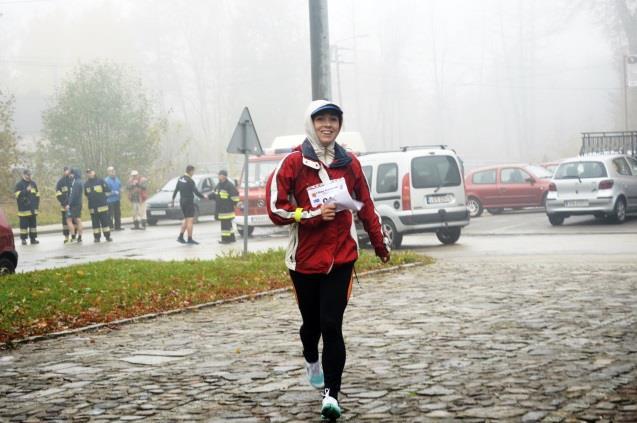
(418, 189)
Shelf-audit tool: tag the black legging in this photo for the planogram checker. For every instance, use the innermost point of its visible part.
(322, 300)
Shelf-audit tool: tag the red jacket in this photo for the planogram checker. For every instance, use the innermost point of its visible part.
(316, 246)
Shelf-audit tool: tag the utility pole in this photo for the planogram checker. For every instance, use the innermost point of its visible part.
(320, 50)
(625, 71)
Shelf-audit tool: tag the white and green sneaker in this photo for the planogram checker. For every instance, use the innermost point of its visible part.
(330, 409)
(315, 374)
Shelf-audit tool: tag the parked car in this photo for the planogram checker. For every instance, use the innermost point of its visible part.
(158, 206)
(415, 190)
(602, 186)
(8, 254)
(515, 186)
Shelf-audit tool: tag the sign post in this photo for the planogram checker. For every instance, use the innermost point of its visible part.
(245, 141)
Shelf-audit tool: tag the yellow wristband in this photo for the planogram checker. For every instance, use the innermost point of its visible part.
(297, 214)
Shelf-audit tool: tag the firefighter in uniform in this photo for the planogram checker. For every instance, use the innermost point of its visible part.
(28, 198)
(62, 192)
(226, 196)
(95, 190)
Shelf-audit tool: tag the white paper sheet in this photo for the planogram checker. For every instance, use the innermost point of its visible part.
(333, 192)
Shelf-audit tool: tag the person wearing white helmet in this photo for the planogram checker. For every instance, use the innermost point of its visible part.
(138, 194)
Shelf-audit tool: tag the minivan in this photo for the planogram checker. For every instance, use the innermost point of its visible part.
(418, 189)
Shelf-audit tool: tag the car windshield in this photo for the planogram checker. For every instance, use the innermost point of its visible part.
(258, 172)
(170, 185)
(540, 172)
(434, 172)
(581, 170)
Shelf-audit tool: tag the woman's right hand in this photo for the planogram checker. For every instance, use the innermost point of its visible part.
(328, 211)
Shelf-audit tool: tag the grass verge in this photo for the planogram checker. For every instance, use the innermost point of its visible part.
(46, 301)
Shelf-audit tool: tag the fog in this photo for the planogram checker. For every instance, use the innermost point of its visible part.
(496, 80)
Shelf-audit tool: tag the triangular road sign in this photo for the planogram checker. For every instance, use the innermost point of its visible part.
(244, 138)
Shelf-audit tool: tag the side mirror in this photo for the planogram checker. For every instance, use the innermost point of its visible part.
(530, 180)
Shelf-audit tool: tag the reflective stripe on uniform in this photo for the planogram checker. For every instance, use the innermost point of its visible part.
(58, 193)
(235, 199)
(96, 231)
(102, 209)
(97, 188)
(225, 216)
(298, 213)
(24, 231)
(17, 194)
(223, 195)
(226, 233)
(24, 213)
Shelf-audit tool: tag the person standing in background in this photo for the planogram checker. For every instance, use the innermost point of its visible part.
(95, 190)
(62, 192)
(113, 199)
(138, 194)
(226, 197)
(74, 206)
(28, 198)
(187, 190)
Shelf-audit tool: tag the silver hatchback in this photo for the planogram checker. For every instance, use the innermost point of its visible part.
(603, 186)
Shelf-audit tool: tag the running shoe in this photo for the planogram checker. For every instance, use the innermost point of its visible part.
(329, 408)
(315, 374)
(181, 240)
(192, 242)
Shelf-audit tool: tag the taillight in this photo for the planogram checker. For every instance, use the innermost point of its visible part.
(406, 193)
(552, 186)
(606, 184)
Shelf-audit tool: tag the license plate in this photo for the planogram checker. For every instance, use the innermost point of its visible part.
(576, 203)
(259, 220)
(158, 212)
(439, 199)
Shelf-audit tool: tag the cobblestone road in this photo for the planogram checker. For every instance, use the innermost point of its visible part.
(481, 340)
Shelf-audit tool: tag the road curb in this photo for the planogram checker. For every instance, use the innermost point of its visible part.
(149, 316)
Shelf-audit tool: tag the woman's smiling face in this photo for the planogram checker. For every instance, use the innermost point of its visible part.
(327, 127)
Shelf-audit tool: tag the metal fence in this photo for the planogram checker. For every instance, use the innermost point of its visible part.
(620, 142)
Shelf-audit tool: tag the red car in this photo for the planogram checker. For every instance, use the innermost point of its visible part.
(496, 188)
(8, 254)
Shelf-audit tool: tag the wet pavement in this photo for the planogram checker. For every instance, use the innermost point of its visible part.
(514, 338)
(523, 232)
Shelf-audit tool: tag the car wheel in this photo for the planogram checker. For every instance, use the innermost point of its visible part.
(449, 235)
(495, 211)
(152, 221)
(389, 229)
(556, 219)
(619, 212)
(240, 230)
(6, 267)
(475, 207)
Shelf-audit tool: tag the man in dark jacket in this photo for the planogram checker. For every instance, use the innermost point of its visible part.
(28, 198)
(62, 191)
(95, 190)
(187, 190)
(226, 196)
(74, 207)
